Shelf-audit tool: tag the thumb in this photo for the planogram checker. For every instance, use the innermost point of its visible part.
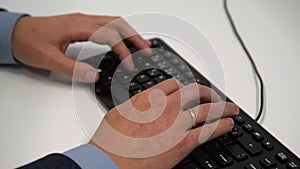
(81, 71)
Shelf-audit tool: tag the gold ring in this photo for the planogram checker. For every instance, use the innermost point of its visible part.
(193, 115)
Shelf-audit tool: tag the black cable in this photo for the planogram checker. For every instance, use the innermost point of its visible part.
(249, 57)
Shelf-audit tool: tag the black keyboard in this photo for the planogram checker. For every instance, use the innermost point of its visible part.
(246, 146)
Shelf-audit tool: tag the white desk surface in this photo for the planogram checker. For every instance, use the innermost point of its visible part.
(37, 111)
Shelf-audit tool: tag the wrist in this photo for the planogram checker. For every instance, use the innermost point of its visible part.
(122, 162)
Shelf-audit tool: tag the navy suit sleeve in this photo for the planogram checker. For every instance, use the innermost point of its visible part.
(8, 21)
(57, 161)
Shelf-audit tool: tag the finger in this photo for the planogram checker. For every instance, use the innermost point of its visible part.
(82, 72)
(167, 87)
(194, 92)
(114, 40)
(140, 43)
(125, 56)
(210, 111)
(210, 131)
(130, 34)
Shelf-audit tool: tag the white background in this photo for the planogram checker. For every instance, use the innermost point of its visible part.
(37, 112)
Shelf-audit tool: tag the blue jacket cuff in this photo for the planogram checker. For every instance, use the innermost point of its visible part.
(90, 157)
(8, 21)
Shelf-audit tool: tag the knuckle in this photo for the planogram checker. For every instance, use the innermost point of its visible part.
(77, 15)
(206, 108)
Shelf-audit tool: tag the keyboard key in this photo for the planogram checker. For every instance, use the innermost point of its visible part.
(257, 136)
(153, 72)
(268, 162)
(154, 44)
(156, 58)
(189, 75)
(218, 154)
(105, 80)
(142, 78)
(292, 165)
(248, 127)
(250, 145)
(125, 79)
(267, 145)
(139, 60)
(134, 86)
(225, 140)
(237, 152)
(203, 159)
(167, 54)
(236, 132)
(109, 63)
(238, 119)
(163, 65)
(147, 65)
(136, 92)
(252, 166)
(182, 68)
(160, 78)
(171, 71)
(148, 84)
(175, 61)
(281, 157)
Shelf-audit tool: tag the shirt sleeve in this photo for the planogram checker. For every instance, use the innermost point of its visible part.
(91, 157)
(8, 21)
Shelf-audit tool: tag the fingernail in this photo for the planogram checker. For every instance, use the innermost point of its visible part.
(128, 64)
(146, 51)
(236, 108)
(90, 76)
(230, 121)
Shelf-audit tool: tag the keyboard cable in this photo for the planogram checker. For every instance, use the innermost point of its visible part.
(261, 83)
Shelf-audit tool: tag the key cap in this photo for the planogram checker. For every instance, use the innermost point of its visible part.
(267, 145)
(160, 78)
(105, 80)
(202, 158)
(225, 140)
(248, 127)
(170, 71)
(182, 68)
(154, 43)
(153, 72)
(148, 84)
(238, 119)
(134, 86)
(156, 58)
(218, 154)
(124, 79)
(136, 92)
(281, 157)
(250, 145)
(109, 63)
(292, 165)
(142, 78)
(236, 132)
(237, 152)
(257, 136)
(252, 166)
(163, 65)
(167, 54)
(268, 162)
(189, 74)
(175, 61)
